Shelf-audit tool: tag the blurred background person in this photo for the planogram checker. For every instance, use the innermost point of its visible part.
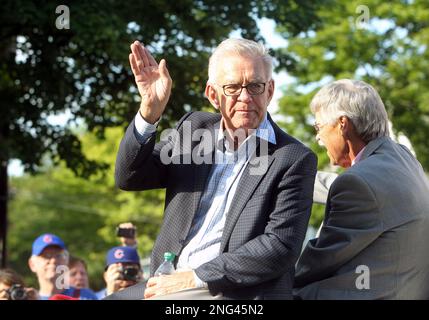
(12, 287)
(49, 261)
(123, 270)
(78, 273)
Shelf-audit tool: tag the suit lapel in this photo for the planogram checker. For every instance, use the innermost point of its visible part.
(200, 173)
(245, 189)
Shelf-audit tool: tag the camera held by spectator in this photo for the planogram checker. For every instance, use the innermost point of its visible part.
(12, 287)
(122, 269)
(127, 233)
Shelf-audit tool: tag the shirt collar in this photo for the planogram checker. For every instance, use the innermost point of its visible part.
(359, 155)
(264, 131)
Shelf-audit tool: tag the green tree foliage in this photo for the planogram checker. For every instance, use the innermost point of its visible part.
(82, 211)
(389, 51)
(84, 70)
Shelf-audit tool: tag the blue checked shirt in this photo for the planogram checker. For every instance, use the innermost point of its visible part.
(204, 238)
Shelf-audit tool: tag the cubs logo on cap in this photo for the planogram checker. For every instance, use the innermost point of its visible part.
(46, 240)
(119, 253)
(122, 255)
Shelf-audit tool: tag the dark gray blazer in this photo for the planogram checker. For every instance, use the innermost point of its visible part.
(377, 215)
(264, 227)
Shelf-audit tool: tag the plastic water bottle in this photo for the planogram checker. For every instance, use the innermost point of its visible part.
(167, 267)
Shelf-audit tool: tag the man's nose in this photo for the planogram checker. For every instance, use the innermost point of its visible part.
(244, 95)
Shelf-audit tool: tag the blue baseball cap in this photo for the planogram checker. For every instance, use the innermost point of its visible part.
(122, 255)
(46, 240)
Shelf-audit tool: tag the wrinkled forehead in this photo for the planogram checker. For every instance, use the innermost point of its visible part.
(241, 69)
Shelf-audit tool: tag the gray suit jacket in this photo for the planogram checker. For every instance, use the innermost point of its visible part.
(264, 227)
(377, 216)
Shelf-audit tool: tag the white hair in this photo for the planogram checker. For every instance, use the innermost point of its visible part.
(240, 47)
(356, 100)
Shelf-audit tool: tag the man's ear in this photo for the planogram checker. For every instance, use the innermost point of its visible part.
(211, 95)
(270, 89)
(346, 127)
(32, 264)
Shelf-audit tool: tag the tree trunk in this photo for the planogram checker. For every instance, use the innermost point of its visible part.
(3, 210)
(7, 55)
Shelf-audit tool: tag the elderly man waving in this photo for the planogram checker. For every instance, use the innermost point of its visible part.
(236, 217)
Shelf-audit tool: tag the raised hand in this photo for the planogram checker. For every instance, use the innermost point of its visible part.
(153, 82)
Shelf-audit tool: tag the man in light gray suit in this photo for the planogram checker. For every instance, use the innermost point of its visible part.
(237, 231)
(374, 242)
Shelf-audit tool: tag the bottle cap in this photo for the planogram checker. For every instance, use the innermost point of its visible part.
(169, 256)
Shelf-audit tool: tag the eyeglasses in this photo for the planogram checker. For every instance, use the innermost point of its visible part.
(57, 256)
(318, 126)
(233, 90)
